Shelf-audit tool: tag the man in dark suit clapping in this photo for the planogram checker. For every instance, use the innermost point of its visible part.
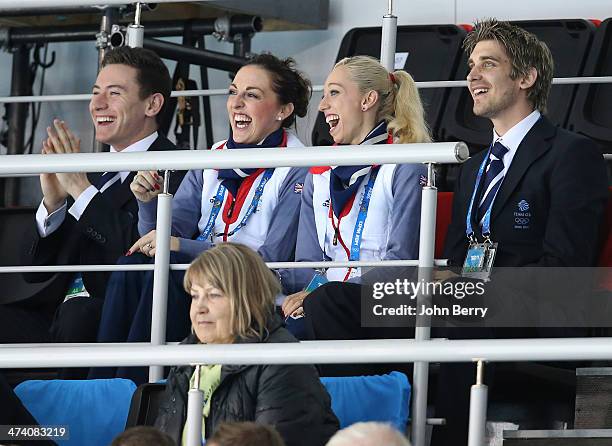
(90, 218)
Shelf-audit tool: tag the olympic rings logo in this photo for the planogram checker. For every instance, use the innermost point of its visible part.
(521, 221)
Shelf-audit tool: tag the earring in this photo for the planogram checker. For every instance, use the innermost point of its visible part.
(364, 108)
(279, 118)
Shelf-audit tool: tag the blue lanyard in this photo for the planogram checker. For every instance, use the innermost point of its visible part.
(486, 223)
(218, 201)
(361, 217)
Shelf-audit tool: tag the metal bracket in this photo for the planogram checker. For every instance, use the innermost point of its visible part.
(431, 175)
(5, 35)
(222, 29)
(135, 32)
(117, 36)
(166, 188)
(131, 8)
(102, 39)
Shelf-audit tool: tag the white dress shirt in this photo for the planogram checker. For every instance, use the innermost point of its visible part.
(513, 137)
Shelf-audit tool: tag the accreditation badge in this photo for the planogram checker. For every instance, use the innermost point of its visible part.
(479, 260)
(317, 280)
(76, 288)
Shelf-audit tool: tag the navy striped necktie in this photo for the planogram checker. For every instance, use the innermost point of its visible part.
(100, 182)
(493, 178)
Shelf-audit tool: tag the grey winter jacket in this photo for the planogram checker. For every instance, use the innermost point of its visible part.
(289, 397)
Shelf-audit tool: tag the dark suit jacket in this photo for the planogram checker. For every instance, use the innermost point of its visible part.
(105, 231)
(562, 177)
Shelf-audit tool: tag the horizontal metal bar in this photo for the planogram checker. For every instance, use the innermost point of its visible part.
(582, 80)
(436, 421)
(561, 433)
(608, 156)
(240, 24)
(318, 352)
(223, 91)
(196, 56)
(184, 266)
(9, 5)
(47, 98)
(441, 152)
(594, 371)
(87, 96)
(84, 268)
(53, 10)
(555, 81)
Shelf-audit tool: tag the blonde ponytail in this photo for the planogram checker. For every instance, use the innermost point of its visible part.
(400, 104)
(408, 123)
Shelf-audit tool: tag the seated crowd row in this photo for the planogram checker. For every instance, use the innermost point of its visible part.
(325, 213)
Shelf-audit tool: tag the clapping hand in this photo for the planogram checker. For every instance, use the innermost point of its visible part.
(56, 187)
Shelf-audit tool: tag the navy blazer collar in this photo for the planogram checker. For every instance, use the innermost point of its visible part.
(535, 144)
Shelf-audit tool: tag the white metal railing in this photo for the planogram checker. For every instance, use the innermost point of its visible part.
(421, 351)
(441, 152)
(316, 88)
(324, 352)
(10, 5)
(184, 266)
(346, 155)
(184, 160)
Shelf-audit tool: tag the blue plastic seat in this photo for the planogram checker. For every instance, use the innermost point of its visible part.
(94, 410)
(384, 398)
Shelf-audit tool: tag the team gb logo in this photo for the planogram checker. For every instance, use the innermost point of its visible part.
(523, 206)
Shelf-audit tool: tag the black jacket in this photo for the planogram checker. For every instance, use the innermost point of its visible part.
(105, 231)
(289, 397)
(562, 177)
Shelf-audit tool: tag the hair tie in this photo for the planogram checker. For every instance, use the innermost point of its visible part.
(392, 78)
